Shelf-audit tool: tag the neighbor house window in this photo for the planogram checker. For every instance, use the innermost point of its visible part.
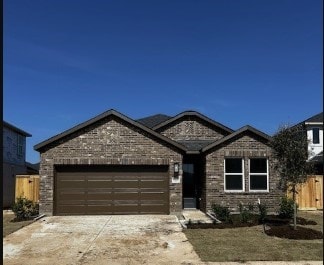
(316, 138)
(258, 174)
(234, 180)
(20, 145)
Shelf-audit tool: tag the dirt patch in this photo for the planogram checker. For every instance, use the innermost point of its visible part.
(287, 231)
(9, 225)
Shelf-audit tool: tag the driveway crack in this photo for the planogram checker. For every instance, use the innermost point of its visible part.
(90, 244)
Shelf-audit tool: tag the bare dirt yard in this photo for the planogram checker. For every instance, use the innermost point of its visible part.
(8, 226)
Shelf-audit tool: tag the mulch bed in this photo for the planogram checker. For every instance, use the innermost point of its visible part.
(276, 226)
(287, 231)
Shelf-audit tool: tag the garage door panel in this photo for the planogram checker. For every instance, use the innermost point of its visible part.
(158, 183)
(126, 195)
(73, 183)
(100, 183)
(152, 202)
(71, 195)
(125, 183)
(154, 196)
(102, 203)
(100, 195)
(119, 192)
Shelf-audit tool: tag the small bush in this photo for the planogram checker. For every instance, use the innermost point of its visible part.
(286, 208)
(222, 213)
(24, 209)
(262, 212)
(246, 214)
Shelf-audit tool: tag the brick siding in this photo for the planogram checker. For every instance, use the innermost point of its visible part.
(112, 141)
(191, 128)
(108, 141)
(246, 146)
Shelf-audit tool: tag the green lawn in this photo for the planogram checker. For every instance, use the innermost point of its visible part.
(251, 244)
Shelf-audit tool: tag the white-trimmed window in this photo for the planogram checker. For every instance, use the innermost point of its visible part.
(258, 174)
(234, 174)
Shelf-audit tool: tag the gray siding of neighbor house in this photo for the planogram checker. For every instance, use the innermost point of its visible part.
(12, 164)
(245, 146)
(191, 128)
(107, 142)
(10, 146)
(9, 182)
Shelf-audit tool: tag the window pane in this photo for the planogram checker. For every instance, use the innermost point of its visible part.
(316, 136)
(258, 182)
(233, 182)
(258, 165)
(233, 165)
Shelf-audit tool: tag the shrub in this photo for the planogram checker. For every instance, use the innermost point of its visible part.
(286, 208)
(246, 214)
(262, 212)
(221, 212)
(24, 209)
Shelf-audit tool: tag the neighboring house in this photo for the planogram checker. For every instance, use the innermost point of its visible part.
(14, 160)
(314, 128)
(112, 164)
(32, 169)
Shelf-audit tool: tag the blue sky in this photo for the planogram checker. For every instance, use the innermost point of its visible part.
(256, 62)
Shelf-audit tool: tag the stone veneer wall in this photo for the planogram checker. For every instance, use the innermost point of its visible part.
(191, 128)
(246, 146)
(109, 141)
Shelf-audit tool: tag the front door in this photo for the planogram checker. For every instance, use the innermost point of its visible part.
(189, 186)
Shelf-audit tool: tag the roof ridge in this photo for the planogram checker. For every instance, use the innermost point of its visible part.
(197, 114)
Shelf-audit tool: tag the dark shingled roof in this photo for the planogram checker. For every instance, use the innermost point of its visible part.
(154, 120)
(16, 129)
(192, 114)
(318, 158)
(33, 166)
(316, 118)
(195, 145)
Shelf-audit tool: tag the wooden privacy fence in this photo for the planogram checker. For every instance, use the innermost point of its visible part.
(27, 186)
(310, 194)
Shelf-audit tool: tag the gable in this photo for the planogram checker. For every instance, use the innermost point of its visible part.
(246, 141)
(192, 125)
(244, 138)
(98, 130)
(109, 137)
(191, 128)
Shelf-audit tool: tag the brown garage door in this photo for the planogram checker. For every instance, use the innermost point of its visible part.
(111, 190)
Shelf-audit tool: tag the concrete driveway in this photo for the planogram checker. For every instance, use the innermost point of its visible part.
(140, 239)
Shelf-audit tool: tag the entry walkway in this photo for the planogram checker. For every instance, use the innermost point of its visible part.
(195, 216)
